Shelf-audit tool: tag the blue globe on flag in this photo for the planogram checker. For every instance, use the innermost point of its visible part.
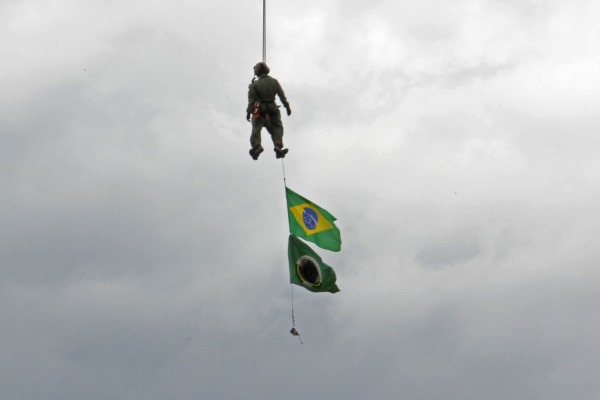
(310, 217)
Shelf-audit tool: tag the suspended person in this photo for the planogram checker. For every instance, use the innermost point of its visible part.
(264, 111)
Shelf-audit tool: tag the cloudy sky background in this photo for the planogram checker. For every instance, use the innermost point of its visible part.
(143, 254)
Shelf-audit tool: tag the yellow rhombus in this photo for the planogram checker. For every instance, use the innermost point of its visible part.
(310, 218)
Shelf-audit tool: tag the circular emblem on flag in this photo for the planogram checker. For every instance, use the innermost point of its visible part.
(310, 217)
(309, 271)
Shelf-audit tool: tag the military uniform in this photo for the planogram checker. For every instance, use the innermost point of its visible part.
(264, 90)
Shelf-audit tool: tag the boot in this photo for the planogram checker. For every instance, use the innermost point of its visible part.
(280, 152)
(255, 152)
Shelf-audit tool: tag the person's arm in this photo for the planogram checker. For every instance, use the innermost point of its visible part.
(283, 99)
(252, 98)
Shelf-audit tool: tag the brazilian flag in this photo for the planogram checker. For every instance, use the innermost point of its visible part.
(311, 222)
(308, 270)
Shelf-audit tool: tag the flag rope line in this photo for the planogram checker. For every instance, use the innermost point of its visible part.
(294, 331)
(283, 172)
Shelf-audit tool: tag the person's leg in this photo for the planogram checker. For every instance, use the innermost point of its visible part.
(255, 137)
(275, 128)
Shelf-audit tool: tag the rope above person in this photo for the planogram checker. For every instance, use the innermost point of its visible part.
(262, 111)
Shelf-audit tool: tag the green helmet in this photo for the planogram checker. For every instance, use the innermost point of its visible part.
(261, 69)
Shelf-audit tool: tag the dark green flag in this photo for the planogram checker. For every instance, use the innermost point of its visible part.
(311, 222)
(308, 270)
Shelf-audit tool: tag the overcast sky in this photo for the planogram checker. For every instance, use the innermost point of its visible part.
(143, 253)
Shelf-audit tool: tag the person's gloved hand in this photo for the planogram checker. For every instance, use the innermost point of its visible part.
(248, 117)
(289, 111)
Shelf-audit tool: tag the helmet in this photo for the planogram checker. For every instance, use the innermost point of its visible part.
(261, 69)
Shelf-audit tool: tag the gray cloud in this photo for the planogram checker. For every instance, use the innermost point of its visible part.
(448, 251)
(143, 252)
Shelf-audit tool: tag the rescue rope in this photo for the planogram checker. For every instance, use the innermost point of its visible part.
(293, 331)
(264, 44)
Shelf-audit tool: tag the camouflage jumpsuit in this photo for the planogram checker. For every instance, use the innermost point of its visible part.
(264, 90)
